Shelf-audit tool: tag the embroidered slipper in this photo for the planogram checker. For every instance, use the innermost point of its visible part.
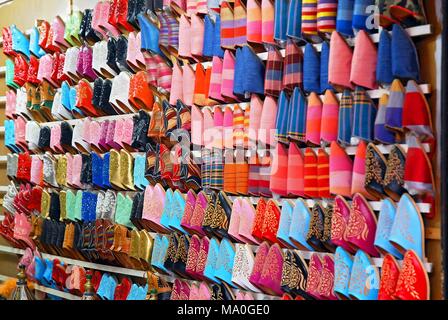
(300, 223)
(394, 177)
(359, 171)
(362, 226)
(385, 222)
(343, 263)
(407, 232)
(271, 274)
(360, 279)
(413, 281)
(390, 271)
(339, 223)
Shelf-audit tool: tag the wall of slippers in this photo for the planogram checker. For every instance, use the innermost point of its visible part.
(229, 150)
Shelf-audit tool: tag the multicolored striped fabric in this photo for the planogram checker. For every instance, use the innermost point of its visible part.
(228, 128)
(283, 114)
(363, 72)
(326, 15)
(330, 118)
(341, 167)
(254, 174)
(238, 126)
(209, 35)
(230, 174)
(359, 171)
(295, 183)
(213, 5)
(297, 118)
(416, 112)
(345, 118)
(384, 63)
(364, 115)
(340, 62)
(309, 17)
(279, 171)
(192, 7)
(293, 66)
(311, 69)
(266, 132)
(394, 111)
(227, 26)
(345, 17)
(239, 23)
(265, 176)
(247, 115)
(313, 119)
(254, 33)
(215, 80)
(173, 27)
(254, 180)
(164, 73)
(217, 170)
(281, 20)
(151, 70)
(201, 6)
(206, 168)
(324, 61)
(228, 74)
(242, 177)
(274, 72)
(294, 27)
(169, 30)
(323, 174)
(361, 14)
(382, 134)
(267, 21)
(164, 30)
(310, 174)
